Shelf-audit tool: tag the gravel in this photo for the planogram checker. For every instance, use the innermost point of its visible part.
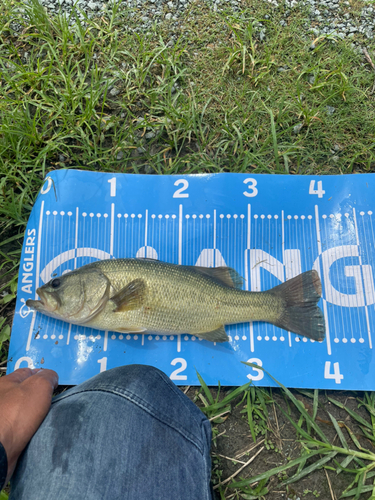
(332, 18)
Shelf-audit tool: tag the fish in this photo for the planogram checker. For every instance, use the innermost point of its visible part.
(149, 296)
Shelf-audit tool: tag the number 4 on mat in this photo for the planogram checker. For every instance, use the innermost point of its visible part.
(320, 191)
(336, 375)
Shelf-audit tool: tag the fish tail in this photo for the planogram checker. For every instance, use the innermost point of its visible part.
(300, 314)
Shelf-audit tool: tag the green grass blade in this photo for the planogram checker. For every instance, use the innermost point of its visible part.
(250, 417)
(352, 413)
(354, 438)
(274, 141)
(339, 431)
(361, 483)
(236, 392)
(353, 492)
(274, 471)
(299, 429)
(369, 436)
(315, 403)
(311, 468)
(262, 402)
(344, 464)
(205, 389)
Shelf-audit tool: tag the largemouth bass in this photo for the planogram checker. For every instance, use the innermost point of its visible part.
(142, 295)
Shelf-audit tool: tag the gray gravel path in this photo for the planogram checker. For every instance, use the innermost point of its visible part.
(336, 18)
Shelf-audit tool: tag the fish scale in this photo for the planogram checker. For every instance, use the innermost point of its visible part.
(180, 300)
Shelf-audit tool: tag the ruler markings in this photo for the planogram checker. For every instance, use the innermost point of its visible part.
(247, 273)
(367, 292)
(76, 239)
(325, 241)
(318, 239)
(345, 219)
(373, 246)
(353, 268)
(214, 238)
(112, 228)
(291, 267)
(338, 227)
(37, 270)
(305, 260)
(146, 229)
(363, 278)
(180, 216)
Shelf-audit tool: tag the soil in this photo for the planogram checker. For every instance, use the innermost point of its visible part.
(234, 438)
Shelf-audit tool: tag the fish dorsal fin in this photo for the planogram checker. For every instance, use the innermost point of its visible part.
(222, 275)
(130, 297)
(218, 335)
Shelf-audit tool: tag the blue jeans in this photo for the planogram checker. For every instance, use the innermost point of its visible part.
(128, 433)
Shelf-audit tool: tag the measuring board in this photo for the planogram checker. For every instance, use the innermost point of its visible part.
(267, 227)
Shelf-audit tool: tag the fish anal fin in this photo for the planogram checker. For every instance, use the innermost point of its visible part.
(130, 297)
(218, 335)
(222, 275)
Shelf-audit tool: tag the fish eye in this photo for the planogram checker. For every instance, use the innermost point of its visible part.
(55, 283)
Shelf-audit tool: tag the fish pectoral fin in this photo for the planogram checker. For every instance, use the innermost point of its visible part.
(218, 335)
(130, 297)
(222, 275)
(131, 329)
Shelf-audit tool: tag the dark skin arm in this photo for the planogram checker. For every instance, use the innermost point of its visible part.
(25, 397)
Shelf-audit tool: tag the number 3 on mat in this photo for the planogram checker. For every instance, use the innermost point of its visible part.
(259, 373)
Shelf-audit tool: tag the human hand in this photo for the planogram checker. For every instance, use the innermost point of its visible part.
(25, 397)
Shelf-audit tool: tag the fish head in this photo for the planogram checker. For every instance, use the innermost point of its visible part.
(75, 296)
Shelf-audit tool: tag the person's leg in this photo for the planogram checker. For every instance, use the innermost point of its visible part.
(128, 433)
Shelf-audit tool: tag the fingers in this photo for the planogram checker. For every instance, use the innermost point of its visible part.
(49, 376)
(37, 391)
(38, 376)
(42, 384)
(19, 375)
(25, 397)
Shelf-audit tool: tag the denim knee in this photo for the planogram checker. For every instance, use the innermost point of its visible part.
(127, 376)
(135, 378)
(153, 391)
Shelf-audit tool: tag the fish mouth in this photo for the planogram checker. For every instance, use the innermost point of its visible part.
(38, 305)
(42, 304)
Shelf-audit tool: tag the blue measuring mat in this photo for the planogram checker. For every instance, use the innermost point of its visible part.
(267, 227)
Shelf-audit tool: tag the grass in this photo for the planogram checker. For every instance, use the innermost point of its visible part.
(206, 94)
